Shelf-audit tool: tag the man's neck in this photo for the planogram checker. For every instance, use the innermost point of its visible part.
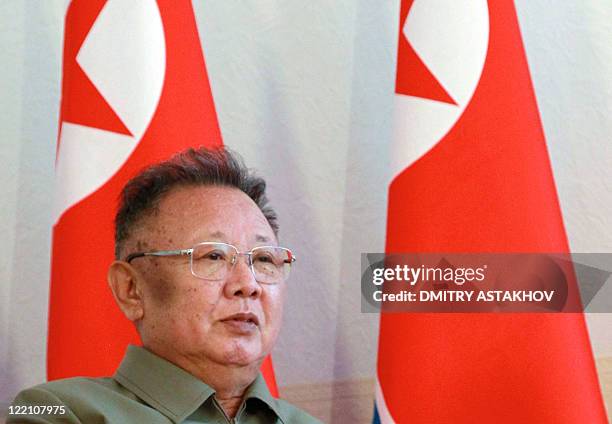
(228, 381)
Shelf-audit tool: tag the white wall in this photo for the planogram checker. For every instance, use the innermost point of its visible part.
(30, 44)
(302, 91)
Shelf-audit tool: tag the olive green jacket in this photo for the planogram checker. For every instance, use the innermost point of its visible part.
(146, 389)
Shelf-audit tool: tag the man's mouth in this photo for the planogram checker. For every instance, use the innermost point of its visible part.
(244, 322)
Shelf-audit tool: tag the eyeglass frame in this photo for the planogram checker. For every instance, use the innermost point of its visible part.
(189, 252)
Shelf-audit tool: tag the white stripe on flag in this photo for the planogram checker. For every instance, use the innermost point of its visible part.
(383, 413)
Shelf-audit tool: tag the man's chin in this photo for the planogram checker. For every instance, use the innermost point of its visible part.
(243, 354)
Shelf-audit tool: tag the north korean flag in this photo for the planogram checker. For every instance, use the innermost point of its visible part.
(472, 174)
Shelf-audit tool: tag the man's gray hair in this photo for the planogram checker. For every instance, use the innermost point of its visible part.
(192, 167)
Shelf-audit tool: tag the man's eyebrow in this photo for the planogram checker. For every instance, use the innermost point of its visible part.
(258, 238)
(217, 234)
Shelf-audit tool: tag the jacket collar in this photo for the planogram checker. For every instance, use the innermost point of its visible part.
(173, 391)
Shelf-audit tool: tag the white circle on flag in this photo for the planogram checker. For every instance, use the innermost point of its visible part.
(451, 38)
(124, 56)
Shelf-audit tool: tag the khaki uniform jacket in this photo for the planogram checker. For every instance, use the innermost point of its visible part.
(146, 389)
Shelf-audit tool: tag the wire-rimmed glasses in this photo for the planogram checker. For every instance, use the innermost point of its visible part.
(214, 260)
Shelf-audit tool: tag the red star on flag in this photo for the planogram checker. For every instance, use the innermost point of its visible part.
(82, 102)
(413, 77)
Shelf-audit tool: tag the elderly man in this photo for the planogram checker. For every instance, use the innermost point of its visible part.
(199, 272)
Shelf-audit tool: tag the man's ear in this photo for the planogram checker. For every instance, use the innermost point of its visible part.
(125, 283)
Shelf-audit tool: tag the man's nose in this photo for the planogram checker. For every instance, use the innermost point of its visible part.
(241, 279)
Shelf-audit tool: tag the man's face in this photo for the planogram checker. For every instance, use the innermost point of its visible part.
(199, 319)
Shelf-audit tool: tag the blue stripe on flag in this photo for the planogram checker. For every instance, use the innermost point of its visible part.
(376, 418)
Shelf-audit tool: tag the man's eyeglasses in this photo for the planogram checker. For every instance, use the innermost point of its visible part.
(214, 260)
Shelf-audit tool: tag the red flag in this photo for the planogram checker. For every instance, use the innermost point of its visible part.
(476, 178)
(135, 90)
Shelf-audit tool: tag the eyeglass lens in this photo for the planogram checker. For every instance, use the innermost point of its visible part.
(212, 261)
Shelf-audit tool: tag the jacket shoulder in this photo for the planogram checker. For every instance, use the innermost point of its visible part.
(76, 385)
(65, 400)
(41, 404)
